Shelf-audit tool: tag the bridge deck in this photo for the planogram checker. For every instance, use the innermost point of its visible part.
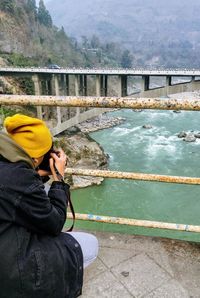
(98, 71)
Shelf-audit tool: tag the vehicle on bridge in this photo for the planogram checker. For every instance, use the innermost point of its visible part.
(54, 66)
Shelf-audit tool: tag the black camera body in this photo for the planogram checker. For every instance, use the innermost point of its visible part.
(45, 163)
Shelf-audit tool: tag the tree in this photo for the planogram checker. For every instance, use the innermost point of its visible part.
(43, 15)
(95, 43)
(85, 42)
(126, 59)
(31, 7)
(7, 5)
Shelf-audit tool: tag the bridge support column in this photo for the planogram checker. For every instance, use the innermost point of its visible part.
(192, 83)
(104, 85)
(168, 81)
(98, 85)
(64, 88)
(145, 83)
(47, 91)
(57, 93)
(168, 84)
(64, 84)
(83, 85)
(123, 86)
(101, 85)
(38, 91)
(77, 94)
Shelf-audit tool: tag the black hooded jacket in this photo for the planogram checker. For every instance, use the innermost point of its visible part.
(37, 260)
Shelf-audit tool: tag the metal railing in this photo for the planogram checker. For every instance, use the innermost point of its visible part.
(113, 102)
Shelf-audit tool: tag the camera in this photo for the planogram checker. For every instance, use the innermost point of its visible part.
(45, 163)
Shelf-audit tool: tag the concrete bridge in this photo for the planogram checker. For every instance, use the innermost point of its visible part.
(102, 82)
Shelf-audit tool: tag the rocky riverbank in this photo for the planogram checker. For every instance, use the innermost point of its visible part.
(101, 122)
(85, 153)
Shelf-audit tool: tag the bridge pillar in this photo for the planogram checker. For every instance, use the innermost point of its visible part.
(57, 93)
(77, 93)
(192, 84)
(168, 81)
(104, 85)
(101, 85)
(168, 84)
(64, 84)
(64, 90)
(123, 86)
(83, 85)
(38, 91)
(47, 90)
(98, 85)
(145, 83)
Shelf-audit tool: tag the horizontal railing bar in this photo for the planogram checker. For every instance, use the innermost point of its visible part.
(136, 222)
(106, 102)
(133, 176)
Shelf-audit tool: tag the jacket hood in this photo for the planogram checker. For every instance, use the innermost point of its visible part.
(12, 151)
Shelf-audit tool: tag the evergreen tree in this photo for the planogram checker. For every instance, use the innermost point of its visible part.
(95, 43)
(43, 15)
(126, 59)
(31, 6)
(7, 5)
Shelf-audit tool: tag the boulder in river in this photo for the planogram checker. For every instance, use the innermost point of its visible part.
(189, 138)
(137, 110)
(197, 135)
(147, 126)
(182, 134)
(177, 111)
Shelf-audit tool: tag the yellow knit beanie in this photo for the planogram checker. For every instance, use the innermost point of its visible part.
(31, 134)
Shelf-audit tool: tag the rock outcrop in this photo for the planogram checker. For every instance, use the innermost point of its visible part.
(83, 152)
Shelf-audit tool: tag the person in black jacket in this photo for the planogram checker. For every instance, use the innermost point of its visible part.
(37, 260)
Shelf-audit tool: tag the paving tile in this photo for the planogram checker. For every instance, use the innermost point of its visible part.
(96, 268)
(144, 275)
(162, 259)
(170, 290)
(105, 285)
(187, 272)
(114, 256)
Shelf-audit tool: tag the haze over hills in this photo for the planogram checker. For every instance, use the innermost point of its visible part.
(153, 30)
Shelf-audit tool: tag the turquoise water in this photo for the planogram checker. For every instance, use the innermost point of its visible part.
(157, 150)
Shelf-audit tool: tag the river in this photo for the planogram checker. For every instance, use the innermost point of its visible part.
(157, 150)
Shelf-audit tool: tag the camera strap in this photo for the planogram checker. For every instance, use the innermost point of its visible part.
(60, 177)
(73, 213)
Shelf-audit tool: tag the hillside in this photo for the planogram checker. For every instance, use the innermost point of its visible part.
(28, 32)
(157, 32)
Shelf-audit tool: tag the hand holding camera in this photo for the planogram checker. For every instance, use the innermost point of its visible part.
(53, 163)
(57, 163)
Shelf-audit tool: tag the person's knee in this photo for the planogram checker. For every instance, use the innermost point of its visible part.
(94, 244)
(89, 245)
(90, 248)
